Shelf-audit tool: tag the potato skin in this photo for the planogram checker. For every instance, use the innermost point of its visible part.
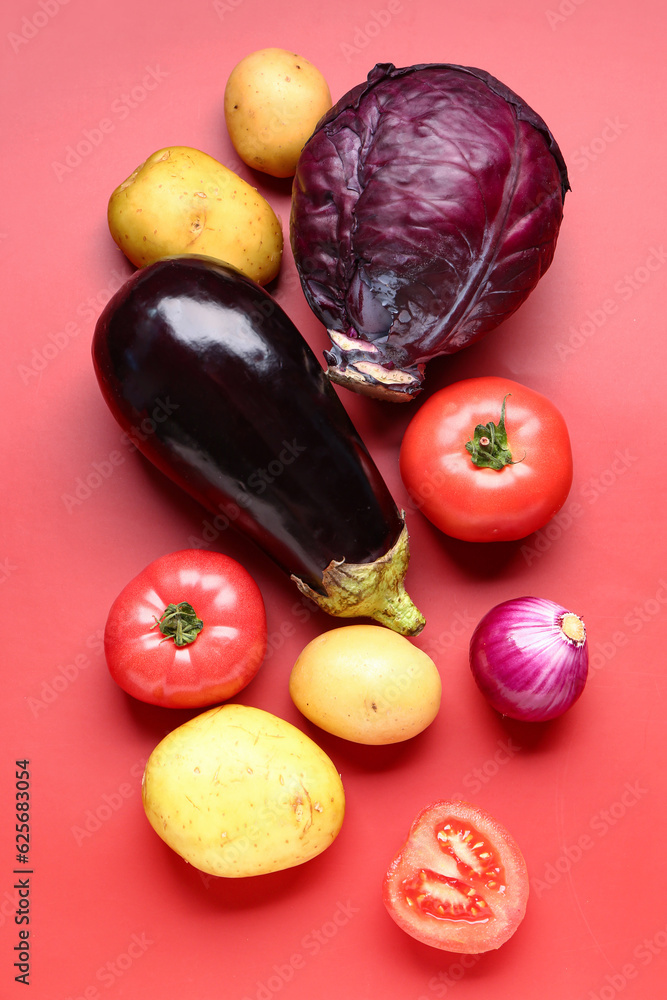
(273, 101)
(366, 684)
(180, 200)
(238, 792)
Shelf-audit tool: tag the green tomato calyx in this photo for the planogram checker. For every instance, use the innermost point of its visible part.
(180, 623)
(489, 448)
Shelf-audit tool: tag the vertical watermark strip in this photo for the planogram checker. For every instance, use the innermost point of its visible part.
(22, 949)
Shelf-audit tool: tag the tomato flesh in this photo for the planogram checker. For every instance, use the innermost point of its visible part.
(444, 898)
(459, 883)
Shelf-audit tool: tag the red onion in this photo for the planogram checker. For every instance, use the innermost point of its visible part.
(529, 658)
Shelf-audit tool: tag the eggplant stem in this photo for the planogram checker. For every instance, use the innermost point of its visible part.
(370, 590)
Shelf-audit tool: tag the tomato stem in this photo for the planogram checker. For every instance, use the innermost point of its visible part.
(489, 448)
(180, 623)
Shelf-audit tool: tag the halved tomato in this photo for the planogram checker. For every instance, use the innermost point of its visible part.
(460, 882)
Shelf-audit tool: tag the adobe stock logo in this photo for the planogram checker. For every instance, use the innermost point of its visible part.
(108, 805)
(643, 954)
(58, 340)
(222, 7)
(101, 470)
(257, 482)
(592, 490)
(121, 107)
(66, 673)
(624, 288)
(115, 968)
(364, 34)
(310, 945)
(565, 10)
(599, 826)
(7, 568)
(585, 155)
(32, 25)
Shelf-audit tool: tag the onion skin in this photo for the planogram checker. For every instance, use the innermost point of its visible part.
(529, 658)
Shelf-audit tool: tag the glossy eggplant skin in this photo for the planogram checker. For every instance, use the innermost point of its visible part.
(242, 415)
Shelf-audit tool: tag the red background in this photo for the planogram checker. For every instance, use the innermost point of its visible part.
(113, 912)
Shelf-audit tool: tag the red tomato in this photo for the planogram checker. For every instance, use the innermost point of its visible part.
(188, 631)
(487, 460)
(460, 882)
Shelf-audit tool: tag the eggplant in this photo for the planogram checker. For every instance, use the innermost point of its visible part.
(243, 417)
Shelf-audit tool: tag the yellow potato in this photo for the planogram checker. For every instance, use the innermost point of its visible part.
(237, 791)
(181, 200)
(273, 101)
(367, 684)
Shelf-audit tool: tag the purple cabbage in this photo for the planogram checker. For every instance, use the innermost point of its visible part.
(425, 208)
